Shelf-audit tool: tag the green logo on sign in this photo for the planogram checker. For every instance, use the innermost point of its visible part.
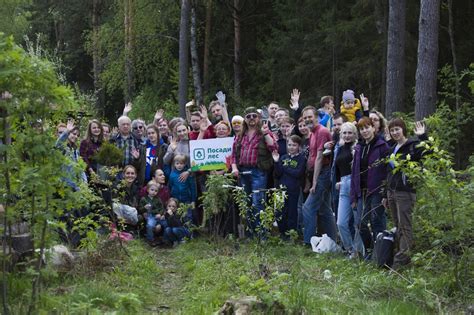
(199, 154)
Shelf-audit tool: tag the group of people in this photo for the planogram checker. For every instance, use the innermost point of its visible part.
(332, 163)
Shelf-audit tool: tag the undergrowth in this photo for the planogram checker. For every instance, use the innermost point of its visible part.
(199, 276)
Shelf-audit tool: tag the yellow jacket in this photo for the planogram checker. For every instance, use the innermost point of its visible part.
(354, 113)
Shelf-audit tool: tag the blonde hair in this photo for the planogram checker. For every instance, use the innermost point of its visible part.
(152, 183)
(179, 158)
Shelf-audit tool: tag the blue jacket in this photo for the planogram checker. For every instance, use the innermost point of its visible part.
(377, 171)
(183, 191)
(290, 171)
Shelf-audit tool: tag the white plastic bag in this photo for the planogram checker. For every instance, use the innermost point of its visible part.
(324, 244)
(129, 214)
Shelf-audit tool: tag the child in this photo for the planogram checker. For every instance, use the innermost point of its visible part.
(286, 128)
(175, 231)
(182, 187)
(289, 170)
(150, 207)
(351, 106)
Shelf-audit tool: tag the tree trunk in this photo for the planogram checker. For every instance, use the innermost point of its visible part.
(455, 71)
(96, 63)
(4, 157)
(129, 71)
(427, 67)
(183, 57)
(381, 13)
(237, 67)
(395, 82)
(207, 42)
(195, 59)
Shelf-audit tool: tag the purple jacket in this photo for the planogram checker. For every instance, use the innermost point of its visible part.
(377, 172)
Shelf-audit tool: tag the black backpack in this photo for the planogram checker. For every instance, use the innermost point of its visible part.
(384, 249)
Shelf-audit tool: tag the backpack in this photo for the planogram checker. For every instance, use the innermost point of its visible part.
(384, 248)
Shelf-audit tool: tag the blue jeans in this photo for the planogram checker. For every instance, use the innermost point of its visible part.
(150, 225)
(346, 216)
(254, 181)
(301, 200)
(173, 234)
(318, 205)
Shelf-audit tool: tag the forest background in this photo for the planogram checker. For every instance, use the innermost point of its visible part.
(162, 53)
(93, 56)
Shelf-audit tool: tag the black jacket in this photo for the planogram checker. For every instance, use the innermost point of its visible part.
(398, 180)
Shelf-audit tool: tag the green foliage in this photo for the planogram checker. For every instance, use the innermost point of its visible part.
(108, 155)
(155, 32)
(454, 110)
(15, 16)
(216, 197)
(148, 102)
(273, 206)
(34, 168)
(444, 217)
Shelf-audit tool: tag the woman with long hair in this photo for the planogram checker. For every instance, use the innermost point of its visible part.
(342, 163)
(380, 125)
(91, 144)
(154, 152)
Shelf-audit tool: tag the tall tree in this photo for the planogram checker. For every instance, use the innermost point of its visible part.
(98, 91)
(237, 65)
(195, 58)
(427, 66)
(129, 71)
(395, 84)
(207, 42)
(183, 57)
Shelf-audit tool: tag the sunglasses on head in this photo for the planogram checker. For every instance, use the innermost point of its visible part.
(250, 116)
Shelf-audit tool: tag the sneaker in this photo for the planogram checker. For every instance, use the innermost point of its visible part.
(353, 255)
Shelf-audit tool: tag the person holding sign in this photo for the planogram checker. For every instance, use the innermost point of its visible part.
(252, 154)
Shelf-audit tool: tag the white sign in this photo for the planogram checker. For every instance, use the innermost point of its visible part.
(211, 154)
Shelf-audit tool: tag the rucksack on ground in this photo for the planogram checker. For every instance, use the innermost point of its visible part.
(384, 248)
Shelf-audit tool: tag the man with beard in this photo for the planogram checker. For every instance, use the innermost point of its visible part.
(252, 155)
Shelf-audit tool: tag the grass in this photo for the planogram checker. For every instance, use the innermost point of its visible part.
(199, 276)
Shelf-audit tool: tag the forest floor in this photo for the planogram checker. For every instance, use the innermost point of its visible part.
(199, 276)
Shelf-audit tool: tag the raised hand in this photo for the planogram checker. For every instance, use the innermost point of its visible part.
(204, 114)
(221, 97)
(70, 125)
(294, 99)
(127, 108)
(135, 153)
(364, 101)
(190, 103)
(289, 131)
(275, 156)
(159, 115)
(265, 129)
(420, 128)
